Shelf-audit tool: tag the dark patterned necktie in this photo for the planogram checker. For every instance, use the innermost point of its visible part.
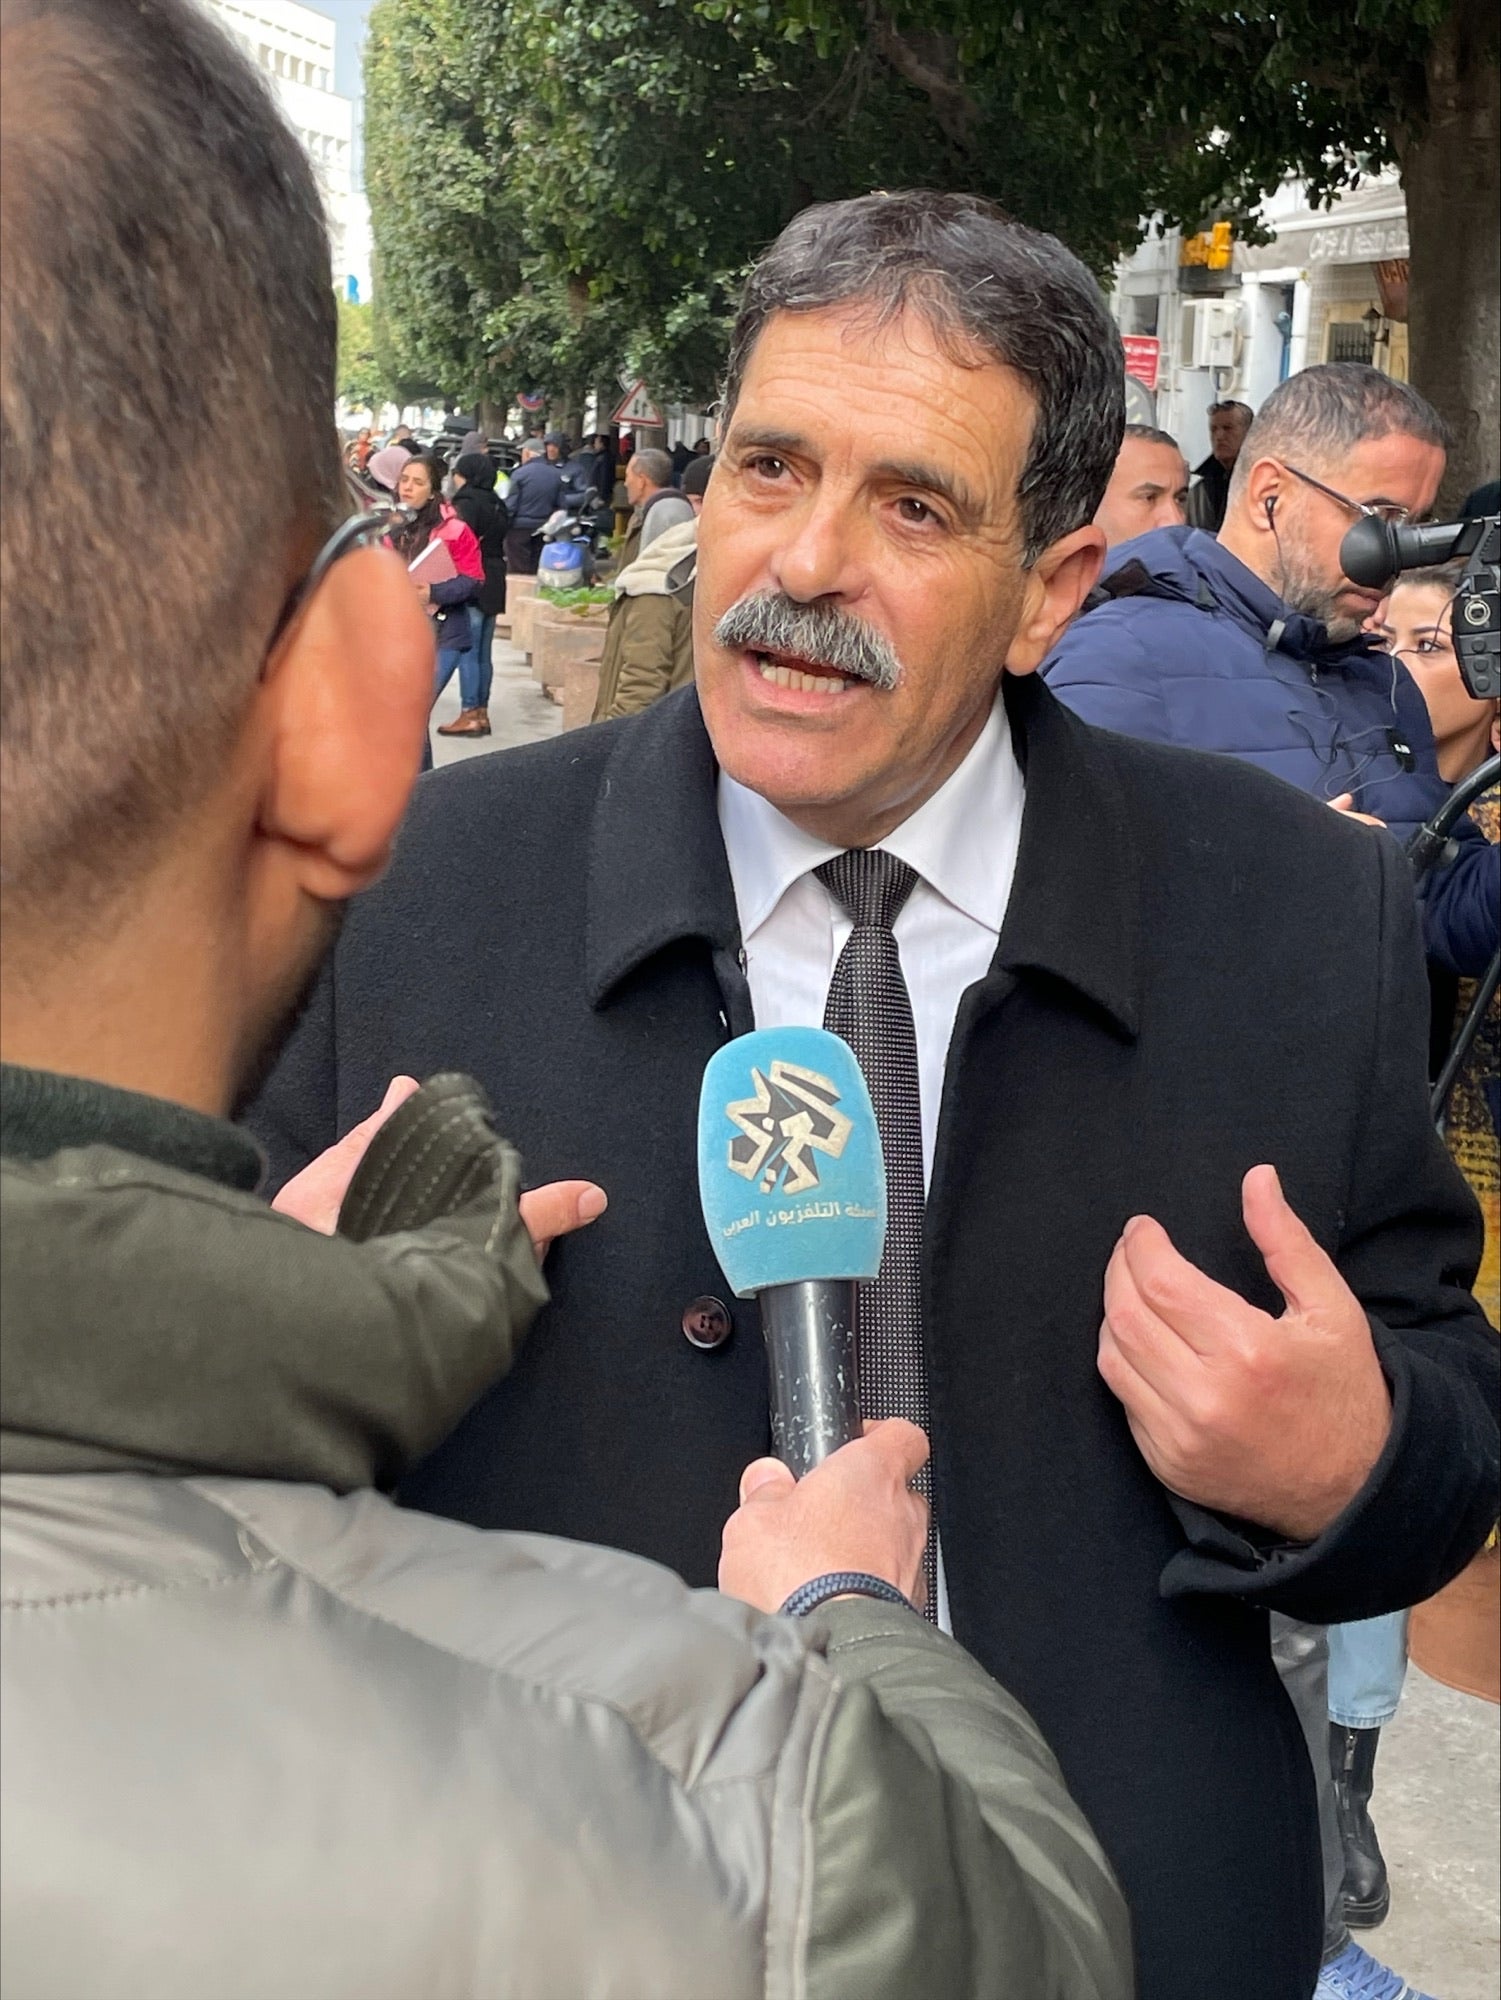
(869, 1007)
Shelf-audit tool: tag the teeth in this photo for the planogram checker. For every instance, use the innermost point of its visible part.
(792, 677)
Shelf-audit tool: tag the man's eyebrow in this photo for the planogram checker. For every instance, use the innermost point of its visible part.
(905, 472)
(933, 479)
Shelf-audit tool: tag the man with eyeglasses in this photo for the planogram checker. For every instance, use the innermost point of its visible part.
(1251, 642)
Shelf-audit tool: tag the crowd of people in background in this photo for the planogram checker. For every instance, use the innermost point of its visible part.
(505, 495)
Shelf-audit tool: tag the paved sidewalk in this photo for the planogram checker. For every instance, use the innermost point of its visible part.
(519, 711)
(1437, 1808)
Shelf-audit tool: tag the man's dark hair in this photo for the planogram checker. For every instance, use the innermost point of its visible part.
(653, 465)
(1149, 434)
(1321, 414)
(981, 282)
(696, 476)
(166, 421)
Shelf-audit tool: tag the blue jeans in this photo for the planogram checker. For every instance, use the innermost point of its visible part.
(475, 669)
(1367, 1665)
(450, 657)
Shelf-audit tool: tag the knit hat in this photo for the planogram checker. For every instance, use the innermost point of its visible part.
(475, 468)
(387, 465)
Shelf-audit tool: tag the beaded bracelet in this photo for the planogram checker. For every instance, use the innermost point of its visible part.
(841, 1583)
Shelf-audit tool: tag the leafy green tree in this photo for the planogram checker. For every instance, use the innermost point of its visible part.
(1193, 107)
(361, 381)
(560, 186)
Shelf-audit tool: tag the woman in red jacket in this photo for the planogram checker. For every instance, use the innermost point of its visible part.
(433, 520)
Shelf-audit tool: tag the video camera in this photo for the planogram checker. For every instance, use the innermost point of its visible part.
(1374, 553)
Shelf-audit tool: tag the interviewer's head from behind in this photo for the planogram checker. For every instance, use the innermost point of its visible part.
(187, 792)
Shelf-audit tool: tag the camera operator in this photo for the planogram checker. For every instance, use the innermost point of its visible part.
(265, 1734)
(1250, 642)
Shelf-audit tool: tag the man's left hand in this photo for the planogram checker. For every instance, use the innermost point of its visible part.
(1277, 1421)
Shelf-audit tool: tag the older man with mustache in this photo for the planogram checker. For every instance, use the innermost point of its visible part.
(1175, 1278)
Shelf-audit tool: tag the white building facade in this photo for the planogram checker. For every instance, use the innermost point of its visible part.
(1330, 286)
(294, 46)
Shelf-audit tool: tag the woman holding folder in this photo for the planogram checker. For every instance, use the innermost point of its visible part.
(447, 568)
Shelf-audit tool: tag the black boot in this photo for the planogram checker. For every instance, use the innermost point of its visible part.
(1352, 1757)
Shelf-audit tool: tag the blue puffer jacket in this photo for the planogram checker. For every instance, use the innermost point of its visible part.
(1197, 650)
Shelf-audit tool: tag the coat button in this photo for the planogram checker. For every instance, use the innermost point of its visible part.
(707, 1323)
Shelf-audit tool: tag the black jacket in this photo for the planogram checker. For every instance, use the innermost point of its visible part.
(1200, 969)
(484, 513)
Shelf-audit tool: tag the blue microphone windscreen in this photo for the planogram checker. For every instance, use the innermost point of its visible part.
(789, 1161)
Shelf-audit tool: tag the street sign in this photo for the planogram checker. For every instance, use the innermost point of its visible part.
(638, 408)
(1143, 353)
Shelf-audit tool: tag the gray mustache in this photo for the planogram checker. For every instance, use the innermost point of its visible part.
(770, 622)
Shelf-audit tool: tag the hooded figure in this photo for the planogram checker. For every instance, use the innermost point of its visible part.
(387, 465)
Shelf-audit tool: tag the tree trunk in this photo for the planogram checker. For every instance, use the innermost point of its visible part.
(492, 416)
(1451, 173)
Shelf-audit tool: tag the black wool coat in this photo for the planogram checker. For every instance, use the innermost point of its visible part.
(1200, 969)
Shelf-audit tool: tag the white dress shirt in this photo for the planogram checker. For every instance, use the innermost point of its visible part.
(962, 845)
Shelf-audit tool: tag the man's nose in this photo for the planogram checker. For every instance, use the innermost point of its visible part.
(822, 555)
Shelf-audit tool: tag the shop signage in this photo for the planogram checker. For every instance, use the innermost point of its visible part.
(1143, 356)
(1358, 242)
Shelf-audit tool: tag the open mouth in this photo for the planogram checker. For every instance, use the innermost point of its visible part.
(801, 676)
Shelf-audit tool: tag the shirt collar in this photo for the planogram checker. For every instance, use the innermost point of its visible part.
(950, 840)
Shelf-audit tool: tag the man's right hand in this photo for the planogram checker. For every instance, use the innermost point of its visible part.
(854, 1511)
(1345, 804)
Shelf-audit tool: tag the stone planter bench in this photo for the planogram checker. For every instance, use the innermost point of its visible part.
(517, 622)
(563, 642)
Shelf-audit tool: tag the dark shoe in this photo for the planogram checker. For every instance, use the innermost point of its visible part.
(1352, 1758)
(472, 722)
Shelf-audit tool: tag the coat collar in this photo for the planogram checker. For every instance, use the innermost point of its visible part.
(658, 873)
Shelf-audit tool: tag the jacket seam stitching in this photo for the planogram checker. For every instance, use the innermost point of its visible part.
(112, 1591)
(686, 1786)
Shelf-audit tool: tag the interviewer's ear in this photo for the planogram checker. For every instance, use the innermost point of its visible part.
(344, 704)
(1057, 584)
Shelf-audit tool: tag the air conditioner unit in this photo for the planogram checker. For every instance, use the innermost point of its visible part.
(1209, 334)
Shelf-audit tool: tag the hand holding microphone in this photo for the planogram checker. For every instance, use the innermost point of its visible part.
(854, 1511)
(794, 1196)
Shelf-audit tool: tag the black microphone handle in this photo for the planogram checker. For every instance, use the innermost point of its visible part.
(810, 1356)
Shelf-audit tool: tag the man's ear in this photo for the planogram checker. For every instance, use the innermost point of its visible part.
(344, 702)
(1057, 584)
(1265, 492)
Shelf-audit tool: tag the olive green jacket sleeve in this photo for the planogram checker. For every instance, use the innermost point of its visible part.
(648, 653)
(947, 1856)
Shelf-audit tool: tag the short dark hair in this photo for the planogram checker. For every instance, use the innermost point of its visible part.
(1149, 434)
(981, 281)
(164, 286)
(696, 476)
(1324, 412)
(653, 465)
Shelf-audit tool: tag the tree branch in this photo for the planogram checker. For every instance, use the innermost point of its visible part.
(930, 63)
